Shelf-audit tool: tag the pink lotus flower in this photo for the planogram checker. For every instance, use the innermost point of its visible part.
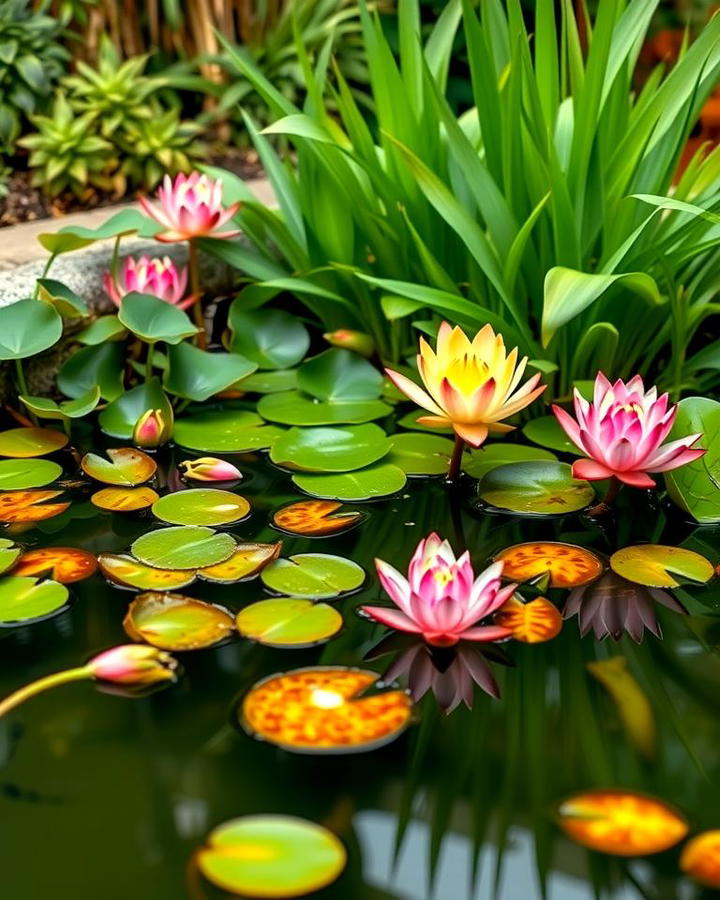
(622, 431)
(190, 207)
(441, 598)
(208, 468)
(134, 664)
(158, 276)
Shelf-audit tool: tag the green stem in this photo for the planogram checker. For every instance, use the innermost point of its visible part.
(114, 259)
(456, 461)
(149, 362)
(66, 424)
(45, 271)
(43, 684)
(23, 387)
(194, 272)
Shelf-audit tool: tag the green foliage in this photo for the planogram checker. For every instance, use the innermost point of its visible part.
(164, 144)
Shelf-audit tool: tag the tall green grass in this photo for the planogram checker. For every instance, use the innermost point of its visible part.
(547, 209)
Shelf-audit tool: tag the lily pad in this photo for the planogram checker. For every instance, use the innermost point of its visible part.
(560, 565)
(288, 622)
(201, 506)
(246, 562)
(25, 600)
(59, 295)
(62, 564)
(547, 432)
(196, 374)
(153, 319)
(175, 622)
(127, 466)
(45, 408)
(99, 366)
(130, 499)
(183, 547)
(122, 569)
(478, 462)
(330, 449)
(28, 327)
(271, 338)
(534, 622)
(271, 856)
(379, 480)
(270, 382)
(420, 454)
(338, 375)
(318, 576)
(28, 506)
(295, 408)
(694, 486)
(9, 555)
(316, 518)
(24, 443)
(228, 431)
(118, 419)
(656, 565)
(535, 488)
(102, 329)
(21, 474)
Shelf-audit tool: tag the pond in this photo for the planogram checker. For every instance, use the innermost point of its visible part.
(109, 796)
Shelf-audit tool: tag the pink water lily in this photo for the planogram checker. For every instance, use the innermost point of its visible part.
(208, 468)
(190, 207)
(133, 664)
(157, 276)
(441, 599)
(622, 432)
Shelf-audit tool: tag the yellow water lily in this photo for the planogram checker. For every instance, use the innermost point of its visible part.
(471, 385)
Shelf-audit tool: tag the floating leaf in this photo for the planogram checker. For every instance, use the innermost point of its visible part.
(548, 432)
(271, 382)
(288, 622)
(201, 506)
(532, 623)
(153, 319)
(24, 600)
(9, 554)
(339, 375)
(700, 858)
(46, 408)
(63, 564)
(28, 327)
(174, 622)
(379, 480)
(621, 823)
(325, 710)
(271, 856)
(28, 442)
(104, 328)
(20, 474)
(246, 562)
(128, 572)
(478, 462)
(315, 518)
(295, 408)
(271, 338)
(694, 487)
(196, 374)
(127, 466)
(129, 499)
(90, 367)
(535, 488)
(318, 576)
(655, 565)
(420, 454)
(183, 547)
(563, 565)
(119, 417)
(28, 506)
(229, 431)
(330, 449)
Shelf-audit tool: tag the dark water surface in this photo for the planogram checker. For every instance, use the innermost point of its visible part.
(106, 798)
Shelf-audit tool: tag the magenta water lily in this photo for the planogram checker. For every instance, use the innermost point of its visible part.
(158, 276)
(190, 206)
(441, 598)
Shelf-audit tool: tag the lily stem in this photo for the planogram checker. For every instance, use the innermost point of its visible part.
(43, 684)
(22, 384)
(194, 270)
(609, 499)
(456, 461)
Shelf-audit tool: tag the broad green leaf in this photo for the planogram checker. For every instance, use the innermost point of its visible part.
(548, 432)
(75, 237)
(694, 486)
(537, 488)
(201, 506)
(46, 408)
(125, 466)
(228, 431)
(183, 547)
(25, 443)
(288, 622)
(478, 462)
(196, 374)
(21, 474)
(175, 622)
(657, 566)
(317, 576)
(271, 338)
(420, 454)
(152, 319)
(328, 449)
(270, 382)
(24, 600)
(28, 327)
(119, 418)
(295, 408)
(379, 480)
(101, 366)
(123, 569)
(339, 375)
(105, 328)
(65, 301)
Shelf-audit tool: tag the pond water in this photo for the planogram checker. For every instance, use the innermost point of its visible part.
(106, 796)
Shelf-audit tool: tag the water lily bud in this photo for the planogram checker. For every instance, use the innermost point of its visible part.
(153, 429)
(357, 341)
(208, 468)
(134, 664)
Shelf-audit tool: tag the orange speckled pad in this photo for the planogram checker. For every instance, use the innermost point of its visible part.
(568, 565)
(281, 709)
(315, 518)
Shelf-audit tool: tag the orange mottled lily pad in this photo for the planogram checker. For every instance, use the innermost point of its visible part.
(130, 499)
(28, 506)
(24, 443)
(128, 572)
(562, 565)
(62, 564)
(316, 518)
(246, 562)
(700, 858)
(331, 710)
(125, 466)
(622, 823)
(533, 622)
(175, 622)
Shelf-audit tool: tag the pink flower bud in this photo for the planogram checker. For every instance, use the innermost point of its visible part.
(190, 207)
(157, 276)
(357, 341)
(134, 664)
(208, 468)
(152, 429)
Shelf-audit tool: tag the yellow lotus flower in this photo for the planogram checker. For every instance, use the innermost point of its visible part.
(471, 385)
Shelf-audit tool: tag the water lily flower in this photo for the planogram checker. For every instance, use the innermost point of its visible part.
(471, 385)
(357, 341)
(208, 468)
(190, 207)
(441, 599)
(152, 429)
(622, 432)
(158, 276)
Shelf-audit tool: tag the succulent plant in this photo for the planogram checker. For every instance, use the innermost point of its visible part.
(152, 148)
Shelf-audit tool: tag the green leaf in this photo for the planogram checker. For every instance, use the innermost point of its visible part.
(21, 474)
(91, 367)
(330, 449)
(340, 375)
(547, 432)
(28, 327)
(183, 547)
(294, 408)
(273, 339)
(228, 431)
(270, 382)
(535, 489)
(125, 466)
(478, 462)
(201, 506)
(46, 408)
(65, 301)
(656, 565)
(74, 237)
(24, 600)
(25, 443)
(379, 480)
(420, 454)
(317, 576)
(119, 418)
(105, 328)
(197, 374)
(695, 487)
(288, 622)
(152, 319)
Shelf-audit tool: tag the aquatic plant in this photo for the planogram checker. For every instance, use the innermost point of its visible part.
(208, 468)
(158, 276)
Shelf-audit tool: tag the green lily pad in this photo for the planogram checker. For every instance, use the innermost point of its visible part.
(420, 454)
(295, 408)
(228, 431)
(271, 856)
(24, 443)
(317, 576)
(195, 374)
(694, 486)
(288, 622)
(9, 555)
(126, 466)
(175, 622)
(46, 408)
(656, 565)
(20, 474)
(124, 570)
(535, 488)
(28, 327)
(478, 462)
(201, 506)
(118, 419)
(183, 547)
(340, 376)
(102, 366)
(24, 600)
(270, 382)
(547, 432)
(59, 295)
(330, 449)
(152, 319)
(379, 480)
(271, 338)
(104, 328)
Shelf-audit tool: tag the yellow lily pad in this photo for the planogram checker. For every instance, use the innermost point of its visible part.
(247, 561)
(288, 622)
(28, 506)
(175, 622)
(129, 499)
(532, 623)
(24, 443)
(124, 570)
(127, 466)
(700, 858)
(564, 565)
(201, 506)
(656, 565)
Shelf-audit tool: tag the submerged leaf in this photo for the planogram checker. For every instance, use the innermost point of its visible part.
(630, 701)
